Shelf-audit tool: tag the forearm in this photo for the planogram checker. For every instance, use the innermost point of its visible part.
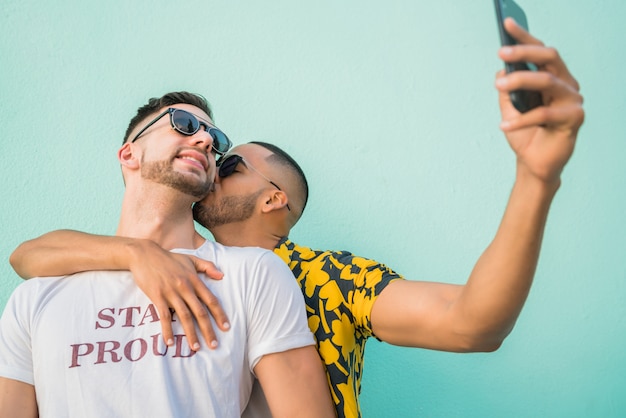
(498, 286)
(66, 252)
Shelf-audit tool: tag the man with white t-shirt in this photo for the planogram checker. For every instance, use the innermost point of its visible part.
(92, 346)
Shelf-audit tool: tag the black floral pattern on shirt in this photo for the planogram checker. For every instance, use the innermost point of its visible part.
(339, 290)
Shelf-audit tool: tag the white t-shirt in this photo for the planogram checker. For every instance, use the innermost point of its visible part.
(91, 343)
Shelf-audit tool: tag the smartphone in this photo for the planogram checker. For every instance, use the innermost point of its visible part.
(523, 100)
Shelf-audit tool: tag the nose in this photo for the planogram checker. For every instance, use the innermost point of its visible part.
(202, 139)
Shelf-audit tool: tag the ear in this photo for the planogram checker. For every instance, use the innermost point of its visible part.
(128, 156)
(275, 200)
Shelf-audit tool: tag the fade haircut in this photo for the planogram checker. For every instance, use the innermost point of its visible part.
(169, 99)
(281, 158)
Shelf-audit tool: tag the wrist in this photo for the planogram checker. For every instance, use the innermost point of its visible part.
(134, 250)
(545, 186)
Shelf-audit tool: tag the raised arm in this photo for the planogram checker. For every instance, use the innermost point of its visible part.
(295, 384)
(480, 314)
(170, 280)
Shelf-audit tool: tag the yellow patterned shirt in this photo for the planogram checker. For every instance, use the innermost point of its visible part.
(339, 290)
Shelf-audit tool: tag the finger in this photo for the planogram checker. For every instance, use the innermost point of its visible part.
(569, 117)
(546, 58)
(203, 320)
(186, 319)
(207, 267)
(540, 55)
(553, 88)
(214, 307)
(202, 293)
(520, 34)
(506, 106)
(527, 48)
(165, 316)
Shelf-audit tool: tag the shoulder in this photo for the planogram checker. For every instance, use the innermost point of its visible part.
(320, 266)
(39, 293)
(249, 263)
(298, 253)
(38, 285)
(214, 251)
(42, 287)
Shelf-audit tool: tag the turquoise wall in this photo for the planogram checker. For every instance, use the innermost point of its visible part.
(390, 108)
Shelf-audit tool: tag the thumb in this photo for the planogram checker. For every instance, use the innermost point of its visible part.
(207, 267)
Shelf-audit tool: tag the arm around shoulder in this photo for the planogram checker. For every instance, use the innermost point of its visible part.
(64, 252)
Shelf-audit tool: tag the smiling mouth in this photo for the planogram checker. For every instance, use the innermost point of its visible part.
(195, 161)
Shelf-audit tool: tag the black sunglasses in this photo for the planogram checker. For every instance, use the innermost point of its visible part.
(227, 165)
(188, 124)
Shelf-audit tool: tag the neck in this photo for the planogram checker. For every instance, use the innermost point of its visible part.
(160, 214)
(242, 234)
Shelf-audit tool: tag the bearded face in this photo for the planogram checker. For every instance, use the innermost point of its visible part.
(225, 210)
(163, 172)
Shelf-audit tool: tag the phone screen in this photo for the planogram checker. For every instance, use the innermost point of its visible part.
(523, 100)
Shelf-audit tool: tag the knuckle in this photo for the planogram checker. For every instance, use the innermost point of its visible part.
(194, 279)
(211, 300)
(548, 79)
(184, 315)
(165, 315)
(181, 283)
(553, 54)
(202, 314)
(576, 86)
(580, 98)
(207, 296)
(580, 115)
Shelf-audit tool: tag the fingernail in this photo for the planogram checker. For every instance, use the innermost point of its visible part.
(196, 346)
(213, 344)
(170, 342)
(506, 50)
(505, 124)
(226, 325)
(501, 82)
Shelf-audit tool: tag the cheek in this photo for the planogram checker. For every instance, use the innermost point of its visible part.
(211, 173)
(234, 184)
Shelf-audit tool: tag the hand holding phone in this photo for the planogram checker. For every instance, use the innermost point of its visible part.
(523, 100)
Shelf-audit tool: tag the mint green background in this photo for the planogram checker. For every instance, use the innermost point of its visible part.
(390, 108)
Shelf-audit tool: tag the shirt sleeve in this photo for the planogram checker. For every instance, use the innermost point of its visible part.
(277, 314)
(16, 360)
(369, 279)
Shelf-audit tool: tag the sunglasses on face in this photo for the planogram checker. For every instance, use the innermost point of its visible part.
(227, 165)
(188, 124)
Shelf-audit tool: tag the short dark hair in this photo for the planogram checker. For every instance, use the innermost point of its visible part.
(280, 157)
(169, 99)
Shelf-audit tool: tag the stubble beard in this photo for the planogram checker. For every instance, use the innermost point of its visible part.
(229, 209)
(163, 173)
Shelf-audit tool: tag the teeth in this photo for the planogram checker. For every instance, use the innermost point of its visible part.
(192, 159)
(196, 160)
